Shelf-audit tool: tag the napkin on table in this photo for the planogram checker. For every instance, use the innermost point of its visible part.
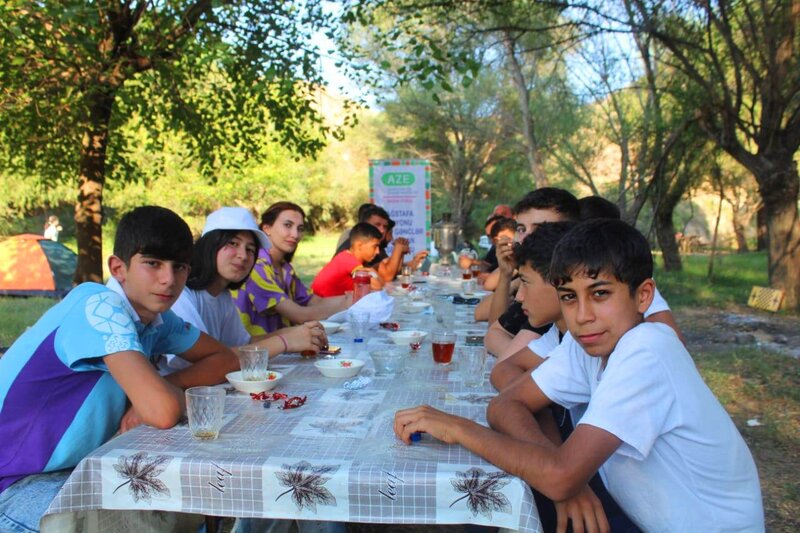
(378, 304)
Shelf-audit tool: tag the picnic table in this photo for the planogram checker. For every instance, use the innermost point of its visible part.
(336, 458)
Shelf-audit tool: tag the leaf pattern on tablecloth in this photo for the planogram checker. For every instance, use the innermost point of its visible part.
(335, 426)
(482, 491)
(471, 397)
(142, 473)
(306, 482)
(348, 395)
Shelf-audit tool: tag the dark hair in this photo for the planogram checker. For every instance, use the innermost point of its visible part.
(153, 231)
(536, 250)
(368, 212)
(272, 213)
(364, 231)
(559, 200)
(503, 223)
(492, 219)
(598, 207)
(204, 258)
(603, 245)
(362, 208)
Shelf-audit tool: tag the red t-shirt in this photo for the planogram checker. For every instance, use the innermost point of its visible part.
(336, 277)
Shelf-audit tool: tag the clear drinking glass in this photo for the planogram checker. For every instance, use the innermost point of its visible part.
(468, 287)
(443, 343)
(253, 361)
(205, 407)
(472, 364)
(359, 324)
(388, 361)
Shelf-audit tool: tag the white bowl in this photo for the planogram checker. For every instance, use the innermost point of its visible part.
(330, 326)
(235, 379)
(405, 337)
(339, 368)
(414, 307)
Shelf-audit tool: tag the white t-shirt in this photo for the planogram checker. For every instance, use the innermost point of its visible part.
(215, 315)
(657, 305)
(542, 346)
(51, 232)
(682, 465)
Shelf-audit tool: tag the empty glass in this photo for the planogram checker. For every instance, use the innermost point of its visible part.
(472, 365)
(444, 311)
(253, 361)
(468, 287)
(388, 361)
(359, 324)
(205, 407)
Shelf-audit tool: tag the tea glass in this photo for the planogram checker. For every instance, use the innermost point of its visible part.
(253, 361)
(472, 365)
(205, 407)
(443, 344)
(359, 324)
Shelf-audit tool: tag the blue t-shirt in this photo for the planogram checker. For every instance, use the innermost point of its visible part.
(58, 401)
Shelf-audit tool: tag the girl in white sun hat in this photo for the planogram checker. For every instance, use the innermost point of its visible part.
(222, 259)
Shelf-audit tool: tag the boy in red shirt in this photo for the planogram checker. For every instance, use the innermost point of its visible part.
(336, 277)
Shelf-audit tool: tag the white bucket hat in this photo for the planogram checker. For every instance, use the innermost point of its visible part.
(237, 218)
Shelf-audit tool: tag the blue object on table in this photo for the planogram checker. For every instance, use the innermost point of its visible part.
(416, 436)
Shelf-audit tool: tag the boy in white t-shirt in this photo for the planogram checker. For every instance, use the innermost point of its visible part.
(666, 449)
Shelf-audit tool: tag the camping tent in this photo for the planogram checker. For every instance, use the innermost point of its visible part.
(31, 265)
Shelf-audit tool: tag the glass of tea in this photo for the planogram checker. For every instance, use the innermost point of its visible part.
(405, 281)
(443, 344)
(466, 274)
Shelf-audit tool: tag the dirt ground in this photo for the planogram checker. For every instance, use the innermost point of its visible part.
(713, 330)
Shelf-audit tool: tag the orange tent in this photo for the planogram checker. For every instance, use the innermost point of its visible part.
(31, 265)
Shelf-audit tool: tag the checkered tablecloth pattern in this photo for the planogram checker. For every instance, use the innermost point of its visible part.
(335, 458)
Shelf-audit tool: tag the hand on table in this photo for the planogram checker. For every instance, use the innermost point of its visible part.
(585, 512)
(425, 419)
(305, 337)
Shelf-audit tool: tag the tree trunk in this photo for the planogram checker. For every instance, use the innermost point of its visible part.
(523, 98)
(779, 191)
(89, 209)
(665, 234)
(739, 231)
(762, 232)
(718, 178)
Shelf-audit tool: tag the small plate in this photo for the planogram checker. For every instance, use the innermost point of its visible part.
(476, 294)
(330, 326)
(405, 337)
(235, 379)
(339, 368)
(414, 307)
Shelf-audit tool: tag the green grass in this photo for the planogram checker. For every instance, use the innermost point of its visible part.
(734, 276)
(19, 314)
(313, 253)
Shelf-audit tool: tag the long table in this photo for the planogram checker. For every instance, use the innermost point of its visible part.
(335, 458)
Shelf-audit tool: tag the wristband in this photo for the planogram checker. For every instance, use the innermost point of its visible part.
(285, 346)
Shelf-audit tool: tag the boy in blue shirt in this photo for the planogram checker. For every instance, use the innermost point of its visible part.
(84, 372)
(665, 448)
